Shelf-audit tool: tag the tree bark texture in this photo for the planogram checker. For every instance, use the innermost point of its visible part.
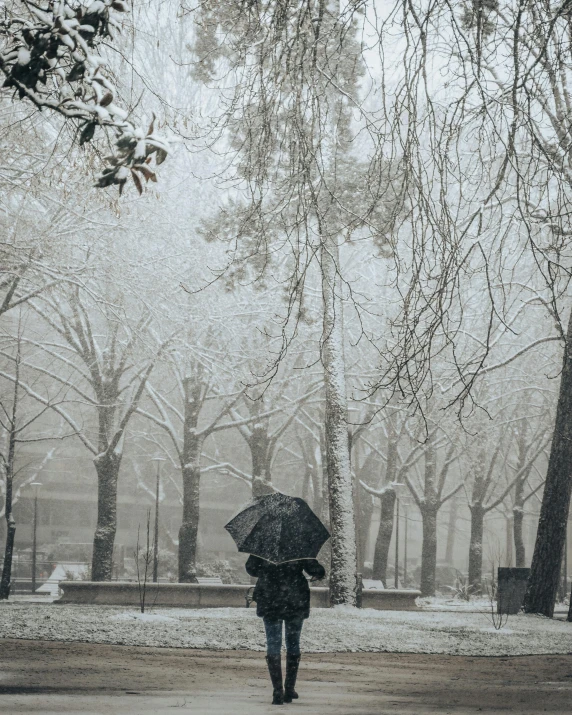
(429, 549)
(324, 505)
(364, 505)
(321, 491)
(107, 468)
(7, 564)
(259, 444)
(517, 529)
(189, 529)
(550, 540)
(383, 541)
(509, 541)
(519, 499)
(342, 518)
(8, 498)
(191, 475)
(318, 498)
(3, 529)
(429, 508)
(481, 482)
(476, 548)
(363, 524)
(518, 522)
(308, 450)
(307, 482)
(451, 531)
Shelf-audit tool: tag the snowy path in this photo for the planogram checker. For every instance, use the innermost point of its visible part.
(337, 630)
(41, 677)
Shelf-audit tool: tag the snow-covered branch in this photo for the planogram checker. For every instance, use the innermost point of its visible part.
(50, 57)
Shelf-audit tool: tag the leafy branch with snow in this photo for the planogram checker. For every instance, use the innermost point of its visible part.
(49, 55)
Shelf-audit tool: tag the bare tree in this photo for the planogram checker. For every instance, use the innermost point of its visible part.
(196, 384)
(16, 421)
(429, 494)
(305, 191)
(551, 535)
(499, 210)
(100, 369)
(262, 435)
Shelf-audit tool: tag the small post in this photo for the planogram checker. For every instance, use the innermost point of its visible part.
(36, 486)
(396, 575)
(565, 579)
(156, 531)
(359, 590)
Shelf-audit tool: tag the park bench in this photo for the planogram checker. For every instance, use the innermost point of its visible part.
(214, 580)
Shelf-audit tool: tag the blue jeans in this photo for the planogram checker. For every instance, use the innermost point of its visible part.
(293, 629)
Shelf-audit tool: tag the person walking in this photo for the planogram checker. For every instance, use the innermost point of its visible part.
(283, 537)
(282, 594)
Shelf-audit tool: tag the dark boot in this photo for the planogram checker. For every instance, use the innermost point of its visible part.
(275, 670)
(292, 662)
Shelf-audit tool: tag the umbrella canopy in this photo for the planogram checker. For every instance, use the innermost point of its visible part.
(278, 528)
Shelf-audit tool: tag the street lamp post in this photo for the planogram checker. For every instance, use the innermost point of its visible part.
(36, 486)
(396, 575)
(156, 532)
(406, 518)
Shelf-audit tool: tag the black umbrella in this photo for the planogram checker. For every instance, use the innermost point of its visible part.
(278, 528)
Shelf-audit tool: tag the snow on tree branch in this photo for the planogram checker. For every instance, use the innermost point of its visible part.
(49, 56)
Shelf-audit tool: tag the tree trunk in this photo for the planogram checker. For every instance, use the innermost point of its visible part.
(8, 499)
(259, 444)
(342, 519)
(519, 547)
(518, 508)
(429, 549)
(364, 505)
(189, 529)
(383, 541)
(476, 548)
(317, 497)
(509, 541)
(325, 554)
(308, 449)
(307, 481)
(191, 478)
(451, 529)
(321, 490)
(550, 539)
(365, 508)
(518, 522)
(2, 523)
(8, 552)
(107, 468)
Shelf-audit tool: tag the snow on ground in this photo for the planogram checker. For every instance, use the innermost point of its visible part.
(327, 630)
(440, 603)
(145, 617)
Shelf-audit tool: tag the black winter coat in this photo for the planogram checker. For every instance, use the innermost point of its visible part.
(282, 590)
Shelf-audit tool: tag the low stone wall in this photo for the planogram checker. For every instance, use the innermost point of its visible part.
(192, 595)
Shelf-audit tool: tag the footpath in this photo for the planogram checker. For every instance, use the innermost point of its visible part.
(61, 677)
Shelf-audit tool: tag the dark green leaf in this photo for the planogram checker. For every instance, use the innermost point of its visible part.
(77, 72)
(87, 133)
